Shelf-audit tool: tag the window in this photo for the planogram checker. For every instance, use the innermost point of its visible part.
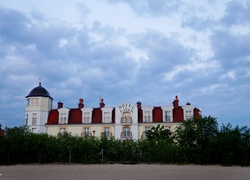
(106, 117)
(86, 117)
(126, 134)
(147, 116)
(63, 118)
(86, 132)
(126, 118)
(34, 118)
(106, 132)
(62, 131)
(167, 116)
(26, 119)
(33, 102)
(188, 114)
(147, 128)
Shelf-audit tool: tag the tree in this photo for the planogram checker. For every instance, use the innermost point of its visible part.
(158, 133)
(194, 136)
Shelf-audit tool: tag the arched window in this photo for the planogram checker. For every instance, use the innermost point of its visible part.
(126, 118)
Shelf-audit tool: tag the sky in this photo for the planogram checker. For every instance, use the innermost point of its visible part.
(127, 51)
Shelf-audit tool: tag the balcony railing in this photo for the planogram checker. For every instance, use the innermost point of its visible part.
(126, 120)
(144, 135)
(60, 134)
(108, 135)
(86, 134)
(126, 135)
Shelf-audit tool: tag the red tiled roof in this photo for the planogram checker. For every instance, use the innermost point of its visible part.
(157, 114)
(75, 116)
(53, 117)
(97, 116)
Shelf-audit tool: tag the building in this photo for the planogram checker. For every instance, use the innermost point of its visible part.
(39, 104)
(125, 121)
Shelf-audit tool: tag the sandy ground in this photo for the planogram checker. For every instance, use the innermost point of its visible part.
(120, 171)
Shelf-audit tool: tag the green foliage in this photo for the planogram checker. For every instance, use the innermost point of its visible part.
(194, 137)
(158, 133)
(195, 141)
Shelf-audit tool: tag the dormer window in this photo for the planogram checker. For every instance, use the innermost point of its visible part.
(63, 118)
(188, 114)
(106, 117)
(106, 114)
(86, 117)
(167, 113)
(147, 114)
(167, 116)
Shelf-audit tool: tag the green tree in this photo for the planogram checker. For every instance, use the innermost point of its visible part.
(232, 146)
(158, 133)
(194, 136)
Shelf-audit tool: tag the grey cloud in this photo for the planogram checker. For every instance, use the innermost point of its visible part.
(237, 12)
(13, 25)
(199, 23)
(152, 8)
(229, 47)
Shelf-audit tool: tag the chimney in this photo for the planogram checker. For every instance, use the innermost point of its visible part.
(102, 103)
(176, 102)
(139, 105)
(60, 105)
(80, 104)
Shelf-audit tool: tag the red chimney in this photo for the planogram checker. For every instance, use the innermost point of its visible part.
(60, 105)
(139, 104)
(176, 102)
(80, 104)
(102, 103)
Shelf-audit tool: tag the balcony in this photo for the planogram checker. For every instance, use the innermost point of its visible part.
(60, 134)
(126, 120)
(126, 135)
(107, 135)
(144, 135)
(86, 134)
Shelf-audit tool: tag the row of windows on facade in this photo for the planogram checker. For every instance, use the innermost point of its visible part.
(125, 134)
(126, 118)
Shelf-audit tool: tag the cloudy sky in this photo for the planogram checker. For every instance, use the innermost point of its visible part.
(127, 51)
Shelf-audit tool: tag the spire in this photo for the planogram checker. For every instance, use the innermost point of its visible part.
(40, 84)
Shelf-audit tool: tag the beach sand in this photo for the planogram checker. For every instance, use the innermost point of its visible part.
(120, 171)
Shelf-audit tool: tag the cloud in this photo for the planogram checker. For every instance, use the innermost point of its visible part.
(237, 12)
(125, 51)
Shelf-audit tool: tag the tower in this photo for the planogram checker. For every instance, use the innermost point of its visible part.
(39, 103)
